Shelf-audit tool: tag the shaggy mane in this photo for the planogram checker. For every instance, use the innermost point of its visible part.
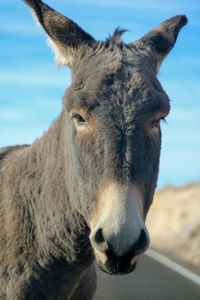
(116, 37)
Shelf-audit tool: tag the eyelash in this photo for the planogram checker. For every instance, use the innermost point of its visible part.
(156, 123)
(79, 119)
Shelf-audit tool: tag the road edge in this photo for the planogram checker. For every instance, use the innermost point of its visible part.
(173, 266)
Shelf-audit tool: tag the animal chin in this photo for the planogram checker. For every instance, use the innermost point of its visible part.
(116, 267)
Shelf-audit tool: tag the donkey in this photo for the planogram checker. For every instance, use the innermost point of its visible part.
(82, 191)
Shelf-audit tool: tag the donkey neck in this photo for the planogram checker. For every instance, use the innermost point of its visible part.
(60, 231)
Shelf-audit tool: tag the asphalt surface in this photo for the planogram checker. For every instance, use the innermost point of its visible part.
(150, 281)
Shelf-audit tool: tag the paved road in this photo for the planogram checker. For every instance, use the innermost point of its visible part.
(150, 281)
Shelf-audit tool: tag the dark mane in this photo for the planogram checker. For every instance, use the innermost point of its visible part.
(116, 37)
(8, 150)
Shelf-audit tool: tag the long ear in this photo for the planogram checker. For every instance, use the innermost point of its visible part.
(159, 41)
(66, 37)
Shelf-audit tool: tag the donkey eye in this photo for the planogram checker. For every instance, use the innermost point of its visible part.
(80, 121)
(156, 123)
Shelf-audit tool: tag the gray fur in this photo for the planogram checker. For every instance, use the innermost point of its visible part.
(48, 191)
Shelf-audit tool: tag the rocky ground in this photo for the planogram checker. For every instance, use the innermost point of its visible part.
(174, 223)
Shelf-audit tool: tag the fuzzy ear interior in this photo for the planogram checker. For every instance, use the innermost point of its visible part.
(65, 36)
(159, 41)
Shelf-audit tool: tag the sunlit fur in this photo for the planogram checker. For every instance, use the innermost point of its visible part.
(49, 190)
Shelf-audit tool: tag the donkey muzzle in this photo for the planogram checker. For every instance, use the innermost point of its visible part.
(119, 234)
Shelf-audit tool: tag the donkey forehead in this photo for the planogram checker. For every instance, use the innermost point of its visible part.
(116, 79)
(118, 61)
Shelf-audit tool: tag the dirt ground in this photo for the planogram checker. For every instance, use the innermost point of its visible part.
(174, 223)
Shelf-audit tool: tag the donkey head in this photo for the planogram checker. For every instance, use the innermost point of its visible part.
(112, 134)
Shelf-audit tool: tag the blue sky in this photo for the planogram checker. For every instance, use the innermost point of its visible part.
(32, 86)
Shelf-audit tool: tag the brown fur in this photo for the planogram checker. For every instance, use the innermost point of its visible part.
(49, 190)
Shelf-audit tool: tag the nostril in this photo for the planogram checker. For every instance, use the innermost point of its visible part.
(99, 236)
(98, 241)
(143, 242)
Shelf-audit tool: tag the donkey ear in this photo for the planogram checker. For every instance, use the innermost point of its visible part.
(66, 37)
(159, 41)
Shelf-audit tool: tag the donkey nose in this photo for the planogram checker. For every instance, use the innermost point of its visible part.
(103, 244)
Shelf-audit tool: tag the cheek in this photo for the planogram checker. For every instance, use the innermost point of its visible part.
(84, 176)
(147, 160)
(147, 168)
(153, 163)
(151, 172)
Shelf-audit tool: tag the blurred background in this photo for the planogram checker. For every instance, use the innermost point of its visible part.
(31, 89)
